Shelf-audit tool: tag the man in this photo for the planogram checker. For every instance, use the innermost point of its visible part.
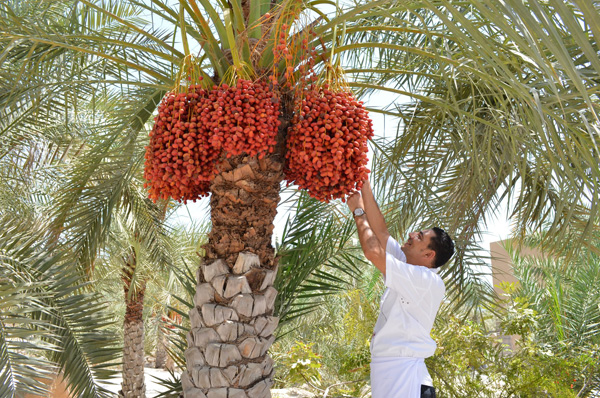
(402, 340)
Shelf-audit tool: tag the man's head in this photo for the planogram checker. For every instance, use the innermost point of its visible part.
(431, 248)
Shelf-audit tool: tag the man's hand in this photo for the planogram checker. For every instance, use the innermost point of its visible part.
(354, 201)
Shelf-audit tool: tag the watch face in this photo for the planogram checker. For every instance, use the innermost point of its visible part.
(359, 212)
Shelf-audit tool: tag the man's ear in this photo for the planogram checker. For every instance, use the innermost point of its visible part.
(429, 255)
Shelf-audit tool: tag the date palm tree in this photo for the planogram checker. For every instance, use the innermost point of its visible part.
(52, 325)
(496, 100)
(127, 256)
(565, 301)
(566, 304)
(55, 150)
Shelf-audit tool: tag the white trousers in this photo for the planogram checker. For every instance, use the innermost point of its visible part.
(393, 377)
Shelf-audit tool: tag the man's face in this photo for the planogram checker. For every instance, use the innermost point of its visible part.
(416, 248)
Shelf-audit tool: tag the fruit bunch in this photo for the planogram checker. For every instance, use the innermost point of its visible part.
(241, 119)
(180, 158)
(195, 126)
(327, 144)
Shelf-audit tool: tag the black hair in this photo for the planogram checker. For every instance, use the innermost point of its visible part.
(442, 245)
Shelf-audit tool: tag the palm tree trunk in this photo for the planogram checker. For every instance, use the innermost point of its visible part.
(161, 349)
(133, 385)
(232, 323)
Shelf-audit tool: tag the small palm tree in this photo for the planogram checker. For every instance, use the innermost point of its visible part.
(563, 290)
(127, 256)
(51, 325)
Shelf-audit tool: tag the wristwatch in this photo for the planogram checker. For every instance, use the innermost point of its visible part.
(358, 212)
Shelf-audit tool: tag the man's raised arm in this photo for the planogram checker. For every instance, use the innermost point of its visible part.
(374, 215)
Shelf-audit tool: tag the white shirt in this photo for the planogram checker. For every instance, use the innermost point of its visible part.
(408, 308)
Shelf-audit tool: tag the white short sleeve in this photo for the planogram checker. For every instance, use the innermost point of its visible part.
(412, 281)
(394, 248)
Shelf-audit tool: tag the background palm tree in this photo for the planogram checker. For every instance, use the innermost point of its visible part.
(126, 256)
(508, 87)
(564, 292)
(56, 149)
(51, 324)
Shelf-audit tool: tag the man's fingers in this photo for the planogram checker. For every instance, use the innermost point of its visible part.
(353, 194)
(354, 197)
(353, 200)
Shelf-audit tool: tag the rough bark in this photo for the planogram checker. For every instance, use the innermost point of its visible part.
(232, 322)
(133, 385)
(161, 349)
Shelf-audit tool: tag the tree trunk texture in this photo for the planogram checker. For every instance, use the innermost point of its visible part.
(232, 323)
(133, 385)
(161, 354)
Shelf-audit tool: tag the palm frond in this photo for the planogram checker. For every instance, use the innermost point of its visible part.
(23, 368)
(567, 302)
(55, 326)
(99, 182)
(316, 257)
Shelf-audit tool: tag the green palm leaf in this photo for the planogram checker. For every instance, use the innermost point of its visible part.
(317, 257)
(49, 323)
(101, 182)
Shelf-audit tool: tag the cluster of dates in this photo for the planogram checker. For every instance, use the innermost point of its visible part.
(243, 118)
(193, 128)
(179, 158)
(326, 141)
(327, 144)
